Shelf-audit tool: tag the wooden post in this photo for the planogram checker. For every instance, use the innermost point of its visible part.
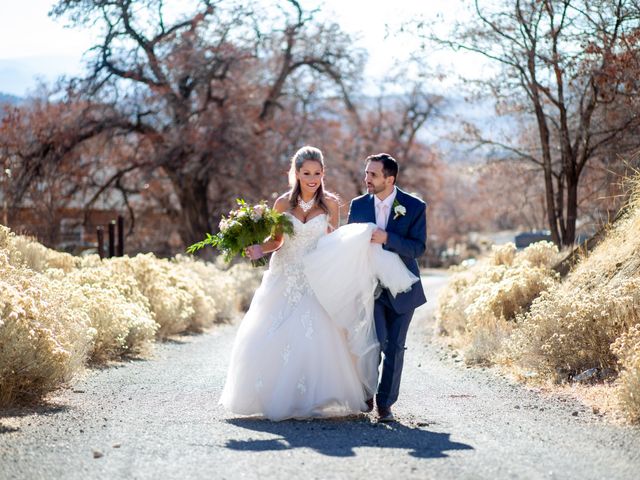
(100, 233)
(112, 238)
(120, 236)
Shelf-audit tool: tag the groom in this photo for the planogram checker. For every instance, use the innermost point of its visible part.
(402, 228)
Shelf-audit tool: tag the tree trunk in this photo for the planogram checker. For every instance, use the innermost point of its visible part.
(192, 195)
(552, 217)
(572, 211)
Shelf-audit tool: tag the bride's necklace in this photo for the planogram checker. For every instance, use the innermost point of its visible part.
(306, 206)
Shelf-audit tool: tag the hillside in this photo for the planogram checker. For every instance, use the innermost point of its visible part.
(513, 310)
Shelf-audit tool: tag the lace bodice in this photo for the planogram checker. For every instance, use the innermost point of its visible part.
(304, 239)
(307, 346)
(287, 260)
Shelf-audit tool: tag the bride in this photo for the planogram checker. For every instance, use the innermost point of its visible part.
(307, 345)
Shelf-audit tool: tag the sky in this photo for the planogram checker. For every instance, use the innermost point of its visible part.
(33, 46)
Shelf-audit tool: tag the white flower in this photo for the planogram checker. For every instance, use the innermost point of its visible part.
(257, 212)
(223, 225)
(399, 210)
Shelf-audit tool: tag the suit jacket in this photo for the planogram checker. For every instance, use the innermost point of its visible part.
(407, 236)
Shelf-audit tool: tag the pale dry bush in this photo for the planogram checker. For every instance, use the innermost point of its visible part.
(168, 291)
(627, 349)
(59, 311)
(206, 305)
(539, 254)
(186, 294)
(588, 322)
(247, 280)
(43, 341)
(229, 287)
(26, 251)
(452, 301)
(123, 327)
(503, 254)
(479, 305)
(568, 331)
(116, 307)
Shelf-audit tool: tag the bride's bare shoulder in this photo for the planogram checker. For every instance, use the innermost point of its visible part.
(282, 203)
(332, 200)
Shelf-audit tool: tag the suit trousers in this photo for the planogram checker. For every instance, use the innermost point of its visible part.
(391, 329)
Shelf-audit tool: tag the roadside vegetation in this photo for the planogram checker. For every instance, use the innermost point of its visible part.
(59, 313)
(512, 309)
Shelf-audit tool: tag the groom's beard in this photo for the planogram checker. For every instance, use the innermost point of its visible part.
(374, 190)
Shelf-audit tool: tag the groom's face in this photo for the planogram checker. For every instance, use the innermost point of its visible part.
(375, 179)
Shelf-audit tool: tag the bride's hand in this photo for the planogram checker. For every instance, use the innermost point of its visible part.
(254, 252)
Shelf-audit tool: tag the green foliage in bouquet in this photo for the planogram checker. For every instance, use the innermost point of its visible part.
(245, 226)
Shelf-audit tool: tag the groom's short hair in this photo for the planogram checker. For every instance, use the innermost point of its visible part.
(389, 164)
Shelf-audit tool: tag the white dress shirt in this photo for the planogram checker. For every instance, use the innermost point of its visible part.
(383, 209)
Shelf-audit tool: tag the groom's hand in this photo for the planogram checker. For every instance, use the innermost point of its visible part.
(379, 236)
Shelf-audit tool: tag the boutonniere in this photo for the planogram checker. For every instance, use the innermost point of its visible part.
(398, 210)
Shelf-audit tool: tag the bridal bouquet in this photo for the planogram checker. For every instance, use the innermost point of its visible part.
(247, 225)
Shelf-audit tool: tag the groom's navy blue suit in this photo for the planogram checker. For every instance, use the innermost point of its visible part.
(406, 236)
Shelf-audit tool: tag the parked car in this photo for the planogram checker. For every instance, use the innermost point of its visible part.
(525, 239)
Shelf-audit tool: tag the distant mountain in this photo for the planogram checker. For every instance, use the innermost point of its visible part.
(445, 131)
(448, 134)
(7, 98)
(18, 76)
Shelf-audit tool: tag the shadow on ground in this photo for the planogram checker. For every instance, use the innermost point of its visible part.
(35, 409)
(25, 411)
(340, 438)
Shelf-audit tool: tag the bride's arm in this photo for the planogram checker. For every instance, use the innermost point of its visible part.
(334, 212)
(273, 243)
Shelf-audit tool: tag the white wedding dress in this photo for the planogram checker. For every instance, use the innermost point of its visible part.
(307, 345)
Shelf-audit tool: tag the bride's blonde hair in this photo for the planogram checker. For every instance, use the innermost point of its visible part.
(306, 153)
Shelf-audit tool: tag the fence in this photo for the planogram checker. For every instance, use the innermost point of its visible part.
(114, 229)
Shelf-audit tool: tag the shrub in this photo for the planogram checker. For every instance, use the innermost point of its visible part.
(479, 305)
(116, 309)
(568, 331)
(43, 340)
(58, 312)
(27, 251)
(627, 349)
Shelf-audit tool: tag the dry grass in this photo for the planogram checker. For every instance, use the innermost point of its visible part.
(480, 304)
(519, 315)
(59, 312)
(43, 340)
(627, 348)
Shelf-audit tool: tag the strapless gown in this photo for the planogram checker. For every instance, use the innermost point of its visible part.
(307, 345)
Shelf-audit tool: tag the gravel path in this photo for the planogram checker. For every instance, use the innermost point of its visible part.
(160, 419)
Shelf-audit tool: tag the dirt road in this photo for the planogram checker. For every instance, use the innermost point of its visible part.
(159, 418)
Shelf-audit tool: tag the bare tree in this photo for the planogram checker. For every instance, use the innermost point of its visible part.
(566, 64)
(207, 88)
(45, 146)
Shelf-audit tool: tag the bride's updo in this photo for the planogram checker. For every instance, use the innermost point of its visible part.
(304, 154)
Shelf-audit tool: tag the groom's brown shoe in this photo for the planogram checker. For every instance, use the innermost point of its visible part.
(385, 415)
(369, 406)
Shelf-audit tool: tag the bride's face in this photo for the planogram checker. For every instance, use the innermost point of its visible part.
(310, 176)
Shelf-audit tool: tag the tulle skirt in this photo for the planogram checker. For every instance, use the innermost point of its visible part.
(307, 345)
